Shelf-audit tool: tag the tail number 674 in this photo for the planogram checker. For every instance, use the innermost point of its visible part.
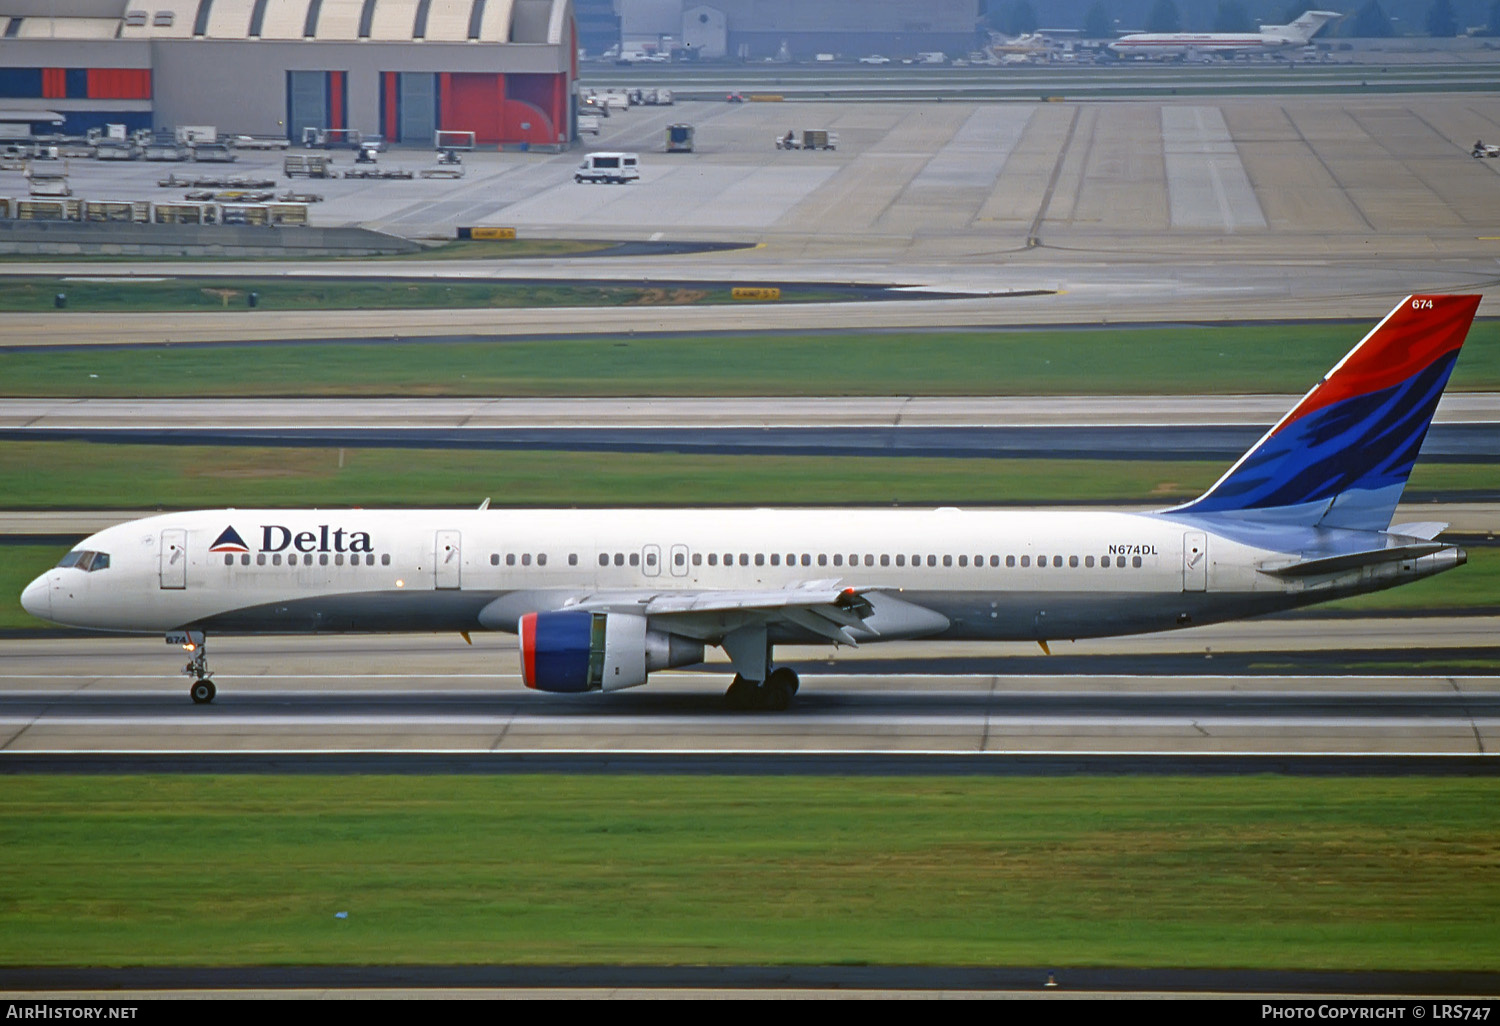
(1421, 304)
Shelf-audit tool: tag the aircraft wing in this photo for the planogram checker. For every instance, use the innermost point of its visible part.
(823, 609)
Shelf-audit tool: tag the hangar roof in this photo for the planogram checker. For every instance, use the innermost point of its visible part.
(404, 21)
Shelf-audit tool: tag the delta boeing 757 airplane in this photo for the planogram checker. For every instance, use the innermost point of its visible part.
(600, 598)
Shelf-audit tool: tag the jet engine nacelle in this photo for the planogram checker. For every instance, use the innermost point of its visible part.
(576, 650)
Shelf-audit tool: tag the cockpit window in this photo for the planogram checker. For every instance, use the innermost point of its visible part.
(85, 560)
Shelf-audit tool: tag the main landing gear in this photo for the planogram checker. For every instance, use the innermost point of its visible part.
(756, 685)
(774, 694)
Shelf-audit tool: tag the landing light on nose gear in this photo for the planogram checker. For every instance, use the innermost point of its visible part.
(202, 689)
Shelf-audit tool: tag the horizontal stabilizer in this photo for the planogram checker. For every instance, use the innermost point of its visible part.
(1352, 560)
(1426, 529)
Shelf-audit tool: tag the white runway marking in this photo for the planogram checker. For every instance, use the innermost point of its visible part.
(1207, 186)
(976, 155)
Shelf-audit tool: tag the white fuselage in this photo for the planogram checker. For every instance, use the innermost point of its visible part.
(1175, 44)
(990, 574)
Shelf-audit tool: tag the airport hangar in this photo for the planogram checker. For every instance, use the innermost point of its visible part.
(397, 69)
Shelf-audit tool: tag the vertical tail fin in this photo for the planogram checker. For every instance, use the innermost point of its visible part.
(1306, 26)
(1342, 456)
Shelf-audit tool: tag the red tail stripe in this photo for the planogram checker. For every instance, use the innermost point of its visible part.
(1423, 330)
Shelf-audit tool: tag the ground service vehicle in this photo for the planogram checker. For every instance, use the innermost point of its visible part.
(613, 168)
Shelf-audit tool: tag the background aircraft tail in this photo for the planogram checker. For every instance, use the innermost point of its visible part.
(1342, 456)
(1306, 26)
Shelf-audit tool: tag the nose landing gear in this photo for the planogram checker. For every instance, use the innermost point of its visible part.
(202, 689)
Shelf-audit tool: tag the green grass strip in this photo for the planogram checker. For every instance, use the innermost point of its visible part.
(1185, 360)
(82, 475)
(1203, 872)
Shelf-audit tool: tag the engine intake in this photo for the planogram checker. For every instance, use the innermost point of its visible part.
(574, 650)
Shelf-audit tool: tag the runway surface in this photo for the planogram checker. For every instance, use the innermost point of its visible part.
(708, 982)
(434, 694)
(1468, 428)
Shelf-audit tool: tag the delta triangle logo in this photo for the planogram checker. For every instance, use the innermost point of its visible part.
(229, 541)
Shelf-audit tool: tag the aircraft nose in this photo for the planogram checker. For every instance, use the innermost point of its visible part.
(37, 598)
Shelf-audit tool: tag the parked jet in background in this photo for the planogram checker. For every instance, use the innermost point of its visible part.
(1269, 39)
(599, 598)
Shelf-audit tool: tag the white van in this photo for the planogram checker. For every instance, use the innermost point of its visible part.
(617, 168)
